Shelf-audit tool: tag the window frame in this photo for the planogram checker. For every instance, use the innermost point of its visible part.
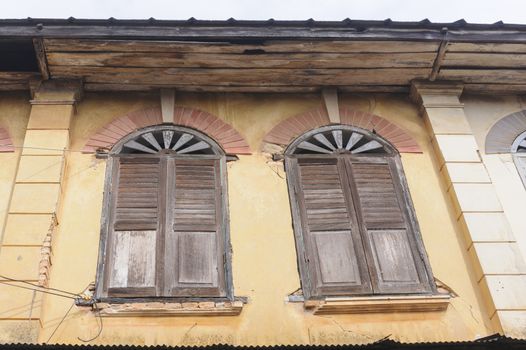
(519, 157)
(225, 260)
(392, 156)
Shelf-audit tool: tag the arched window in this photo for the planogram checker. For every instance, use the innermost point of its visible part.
(354, 224)
(507, 135)
(518, 149)
(164, 229)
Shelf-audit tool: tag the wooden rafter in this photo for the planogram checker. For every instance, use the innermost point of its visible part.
(40, 52)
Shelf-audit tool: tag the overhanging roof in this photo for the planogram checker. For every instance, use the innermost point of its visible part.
(268, 56)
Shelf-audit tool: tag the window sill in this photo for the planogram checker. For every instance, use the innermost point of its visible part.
(384, 304)
(157, 309)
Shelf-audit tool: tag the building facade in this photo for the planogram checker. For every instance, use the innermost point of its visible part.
(261, 183)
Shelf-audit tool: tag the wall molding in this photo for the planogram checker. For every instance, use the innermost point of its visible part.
(504, 132)
(289, 129)
(230, 139)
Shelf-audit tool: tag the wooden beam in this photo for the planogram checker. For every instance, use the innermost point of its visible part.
(40, 52)
(438, 60)
(484, 76)
(481, 60)
(330, 97)
(240, 77)
(167, 105)
(231, 60)
(266, 47)
(228, 32)
(246, 32)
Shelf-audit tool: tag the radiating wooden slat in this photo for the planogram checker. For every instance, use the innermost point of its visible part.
(182, 141)
(195, 147)
(137, 146)
(151, 140)
(353, 139)
(369, 146)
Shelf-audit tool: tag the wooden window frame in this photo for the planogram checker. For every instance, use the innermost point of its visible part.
(519, 156)
(225, 260)
(393, 158)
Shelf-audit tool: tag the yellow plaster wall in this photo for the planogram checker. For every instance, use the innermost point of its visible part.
(264, 258)
(483, 112)
(14, 115)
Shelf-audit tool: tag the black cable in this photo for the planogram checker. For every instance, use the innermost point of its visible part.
(63, 318)
(100, 328)
(37, 290)
(36, 285)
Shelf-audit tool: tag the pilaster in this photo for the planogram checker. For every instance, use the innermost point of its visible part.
(499, 267)
(35, 206)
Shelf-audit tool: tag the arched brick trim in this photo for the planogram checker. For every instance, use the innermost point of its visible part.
(6, 144)
(504, 132)
(224, 134)
(286, 131)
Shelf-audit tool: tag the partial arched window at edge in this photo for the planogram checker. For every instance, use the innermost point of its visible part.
(518, 149)
(354, 223)
(164, 231)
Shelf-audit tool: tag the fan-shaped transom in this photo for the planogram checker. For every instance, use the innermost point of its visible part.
(167, 139)
(339, 139)
(519, 145)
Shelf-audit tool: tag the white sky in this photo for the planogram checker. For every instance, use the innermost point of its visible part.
(473, 11)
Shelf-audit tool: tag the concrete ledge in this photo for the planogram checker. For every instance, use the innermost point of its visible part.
(157, 309)
(358, 305)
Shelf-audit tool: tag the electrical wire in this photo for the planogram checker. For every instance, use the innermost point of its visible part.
(37, 290)
(51, 149)
(61, 321)
(100, 327)
(37, 286)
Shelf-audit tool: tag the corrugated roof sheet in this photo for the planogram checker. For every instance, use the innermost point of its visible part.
(495, 341)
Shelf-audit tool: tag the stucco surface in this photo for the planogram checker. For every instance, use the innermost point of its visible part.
(482, 113)
(264, 256)
(14, 114)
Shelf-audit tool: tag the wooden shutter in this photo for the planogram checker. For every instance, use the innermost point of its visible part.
(327, 228)
(194, 245)
(135, 227)
(392, 251)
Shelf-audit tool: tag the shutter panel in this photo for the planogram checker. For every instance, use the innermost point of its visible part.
(520, 162)
(194, 243)
(133, 246)
(391, 246)
(335, 258)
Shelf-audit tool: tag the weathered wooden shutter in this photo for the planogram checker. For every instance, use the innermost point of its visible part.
(395, 262)
(194, 244)
(520, 162)
(135, 227)
(329, 232)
